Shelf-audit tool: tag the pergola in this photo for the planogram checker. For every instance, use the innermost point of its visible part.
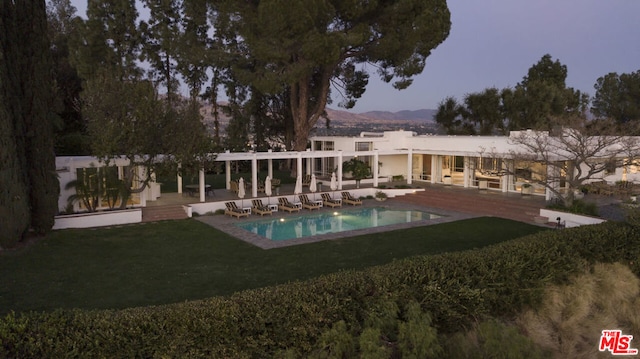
(308, 155)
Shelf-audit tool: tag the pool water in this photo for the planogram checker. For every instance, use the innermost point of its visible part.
(332, 222)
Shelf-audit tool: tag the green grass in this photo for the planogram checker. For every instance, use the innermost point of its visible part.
(173, 261)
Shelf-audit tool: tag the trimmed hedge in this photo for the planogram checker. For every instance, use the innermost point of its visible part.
(455, 288)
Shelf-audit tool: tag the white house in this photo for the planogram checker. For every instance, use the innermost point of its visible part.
(483, 162)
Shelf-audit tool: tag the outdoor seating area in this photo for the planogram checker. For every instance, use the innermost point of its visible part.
(233, 210)
(260, 208)
(330, 202)
(192, 190)
(264, 205)
(306, 181)
(307, 203)
(348, 198)
(285, 205)
(620, 189)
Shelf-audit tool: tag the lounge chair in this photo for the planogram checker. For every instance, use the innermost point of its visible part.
(306, 181)
(284, 204)
(349, 199)
(234, 211)
(260, 208)
(306, 203)
(233, 186)
(328, 201)
(260, 186)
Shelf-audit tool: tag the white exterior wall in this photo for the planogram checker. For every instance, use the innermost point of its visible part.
(394, 149)
(451, 145)
(66, 169)
(393, 165)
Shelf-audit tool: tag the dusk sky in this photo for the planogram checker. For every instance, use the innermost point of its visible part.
(493, 43)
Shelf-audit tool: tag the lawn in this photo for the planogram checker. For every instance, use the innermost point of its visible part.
(173, 261)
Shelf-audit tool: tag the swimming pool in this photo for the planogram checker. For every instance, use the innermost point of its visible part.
(283, 229)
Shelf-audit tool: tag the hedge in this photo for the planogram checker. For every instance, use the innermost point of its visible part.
(457, 289)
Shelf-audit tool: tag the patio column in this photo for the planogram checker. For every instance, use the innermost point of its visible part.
(308, 164)
(270, 166)
(375, 168)
(552, 172)
(227, 179)
(179, 180)
(466, 171)
(201, 184)
(506, 179)
(299, 165)
(254, 176)
(410, 166)
(339, 174)
(434, 168)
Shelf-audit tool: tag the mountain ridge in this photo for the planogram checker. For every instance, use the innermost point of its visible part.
(423, 115)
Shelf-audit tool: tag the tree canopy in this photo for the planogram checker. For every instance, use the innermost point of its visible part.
(28, 184)
(535, 103)
(128, 119)
(579, 151)
(302, 48)
(618, 97)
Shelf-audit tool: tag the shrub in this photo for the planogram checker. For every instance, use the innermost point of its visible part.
(492, 339)
(578, 206)
(455, 289)
(572, 316)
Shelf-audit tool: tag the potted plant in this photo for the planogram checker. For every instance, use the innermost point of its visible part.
(527, 188)
(380, 196)
(358, 169)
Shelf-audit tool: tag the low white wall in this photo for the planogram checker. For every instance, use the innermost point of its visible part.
(98, 219)
(188, 210)
(569, 219)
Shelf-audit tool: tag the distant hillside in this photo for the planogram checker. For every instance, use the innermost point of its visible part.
(349, 123)
(425, 115)
(417, 115)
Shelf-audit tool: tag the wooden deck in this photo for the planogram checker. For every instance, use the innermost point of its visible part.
(514, 206)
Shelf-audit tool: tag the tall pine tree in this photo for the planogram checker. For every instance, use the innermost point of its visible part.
(28, 145)
(14, 204)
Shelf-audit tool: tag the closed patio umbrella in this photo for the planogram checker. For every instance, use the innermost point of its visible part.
(334, 183)
(267, 189)
(298, 188)
(241, 192)
(313, 186)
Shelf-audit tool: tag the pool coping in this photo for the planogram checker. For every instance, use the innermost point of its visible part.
(227, 225)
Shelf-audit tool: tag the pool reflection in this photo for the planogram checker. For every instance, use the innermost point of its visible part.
(333, 222)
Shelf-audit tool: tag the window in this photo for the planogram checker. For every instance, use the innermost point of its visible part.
(364, 146)
(610, 168)
(323, 145)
